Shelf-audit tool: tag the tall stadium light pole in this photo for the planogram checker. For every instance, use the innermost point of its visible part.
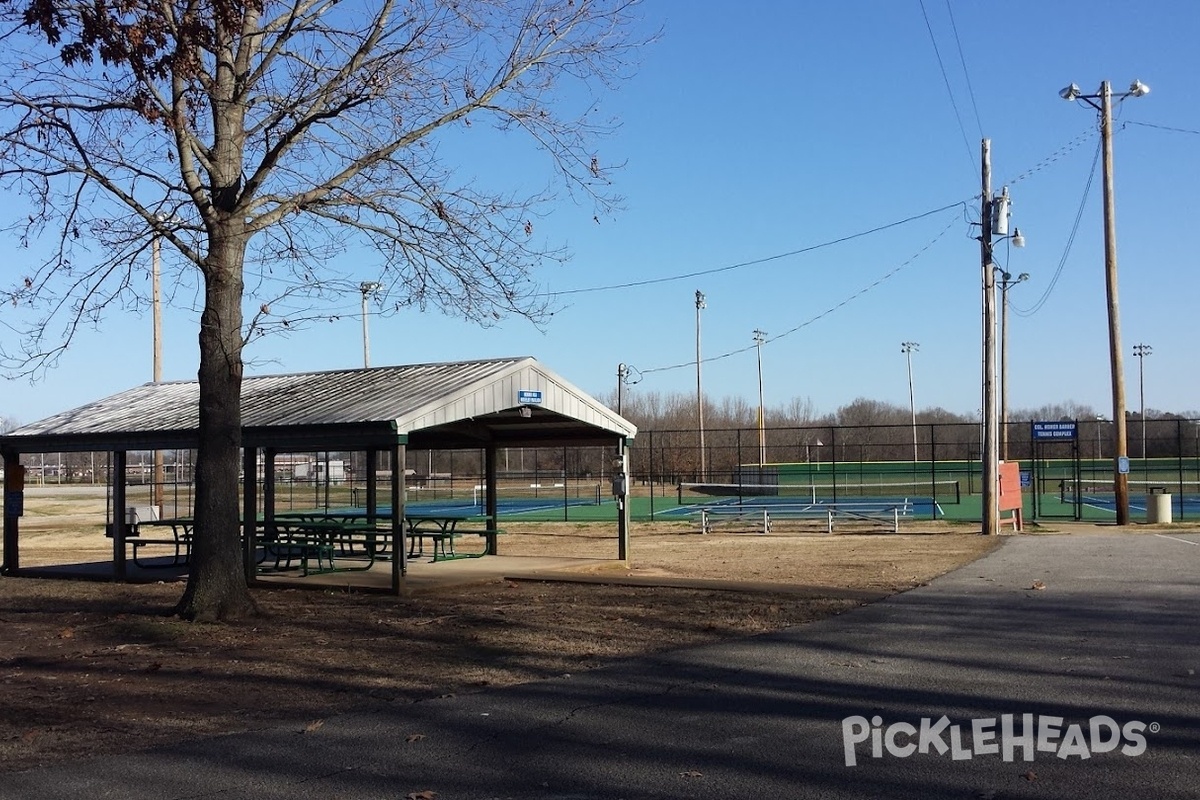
(907, 348)
(700, 304)
(367, 287)
(759, 338)
(994, 214)
(1007, 281)
(1105, 95)
(1141, 351)
(1099, 429)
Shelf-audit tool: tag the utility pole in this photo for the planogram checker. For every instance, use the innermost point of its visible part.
(759, 338)
(1120, 455)
(1006, 282)
(1141, 351)
(700, 304)
(907, 348)
(993, 223)
(1120, 479)
(991, 495)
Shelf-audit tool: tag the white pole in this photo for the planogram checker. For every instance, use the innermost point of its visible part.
(759, 338)
(907, 348)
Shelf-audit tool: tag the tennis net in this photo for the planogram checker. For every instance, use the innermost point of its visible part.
(928, 491)
(571, 494)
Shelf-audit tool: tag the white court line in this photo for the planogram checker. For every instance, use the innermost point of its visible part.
(1177, 539)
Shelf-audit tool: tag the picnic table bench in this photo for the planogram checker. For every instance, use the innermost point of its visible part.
(179, 544)
(315, 543)
(889, 511)
(354, 537)
(442, 530)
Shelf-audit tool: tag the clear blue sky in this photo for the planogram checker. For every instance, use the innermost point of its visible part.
(762, 128)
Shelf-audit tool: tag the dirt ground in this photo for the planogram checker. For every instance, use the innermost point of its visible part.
(89, 669)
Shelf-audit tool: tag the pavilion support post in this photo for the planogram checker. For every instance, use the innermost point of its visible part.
(250, 509)
(372, 467)
(492, 510)
(621, 491)
(399, 530)
(120, 521)
(14, 502)
(269, 455)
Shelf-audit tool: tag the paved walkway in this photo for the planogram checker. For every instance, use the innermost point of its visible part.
(1109, 631)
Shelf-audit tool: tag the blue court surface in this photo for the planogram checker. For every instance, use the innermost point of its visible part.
(1181, 504)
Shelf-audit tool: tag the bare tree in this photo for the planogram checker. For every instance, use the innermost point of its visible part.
(261, 137)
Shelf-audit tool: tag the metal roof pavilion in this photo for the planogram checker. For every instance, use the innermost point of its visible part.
(501, 402)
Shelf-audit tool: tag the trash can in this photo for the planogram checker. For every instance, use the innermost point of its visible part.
(1158, 505)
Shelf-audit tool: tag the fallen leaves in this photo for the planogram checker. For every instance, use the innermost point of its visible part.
(691, 773)
(313, 726)
(1038, 585)
(426, 794)
(414, 737)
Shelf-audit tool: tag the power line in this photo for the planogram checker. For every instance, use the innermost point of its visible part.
(1162, 127)
(1041, 301)
(1055, 156)
(822, 315)
(764, 260)
(966, 73)
(946, 79)
(1039, 166)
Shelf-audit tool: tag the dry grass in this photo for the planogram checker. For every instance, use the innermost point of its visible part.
(94, 668)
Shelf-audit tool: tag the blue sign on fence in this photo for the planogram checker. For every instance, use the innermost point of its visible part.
(1123, 465)
(1054, 430)
(1026, 478)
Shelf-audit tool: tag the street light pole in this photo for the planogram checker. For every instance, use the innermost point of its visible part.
(907, 348)
(1072, 92)
(700, 304)
(1141, 351)
(1006, 282)
(759, 338)
(366, 287)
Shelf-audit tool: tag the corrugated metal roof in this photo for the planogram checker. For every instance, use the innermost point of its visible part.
(407, 398)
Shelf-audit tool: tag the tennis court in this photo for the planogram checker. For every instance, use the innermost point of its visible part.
(1098, 496)
(536, 499)
(924, 497)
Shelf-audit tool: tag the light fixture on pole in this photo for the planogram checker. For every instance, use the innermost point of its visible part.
(621, 373)
(1099, 428)
(1007, 281)
(367, 287)
(1141, 351)
(700, 304)
(1105, 95)
(994, 218)
(759, 338)
(907, 348)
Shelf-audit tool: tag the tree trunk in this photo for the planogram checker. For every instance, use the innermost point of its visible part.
(216, 588)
